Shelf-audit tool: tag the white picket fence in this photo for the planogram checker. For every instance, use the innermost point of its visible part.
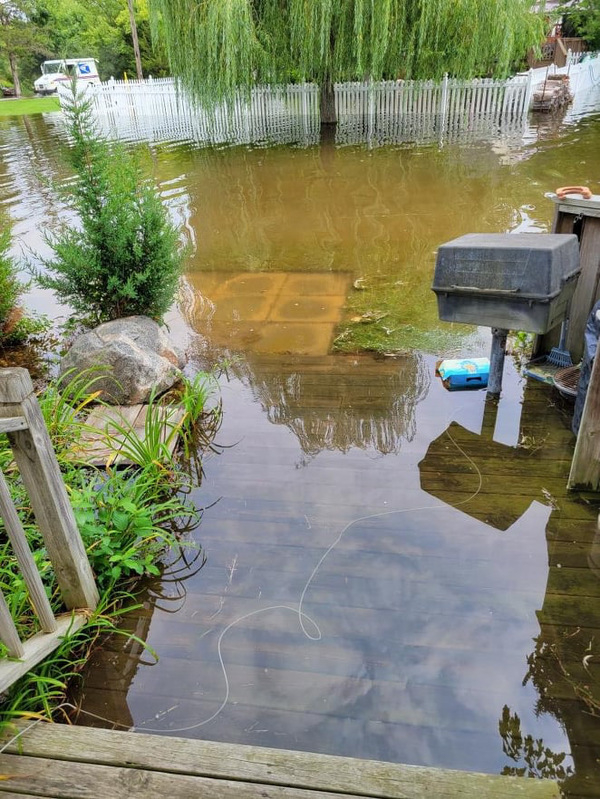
(157, 110)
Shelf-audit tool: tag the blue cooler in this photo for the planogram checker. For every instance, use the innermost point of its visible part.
(465, 373)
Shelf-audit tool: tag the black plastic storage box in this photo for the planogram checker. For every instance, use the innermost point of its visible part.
(521, 281)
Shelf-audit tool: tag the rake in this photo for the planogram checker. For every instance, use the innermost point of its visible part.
(559, 356)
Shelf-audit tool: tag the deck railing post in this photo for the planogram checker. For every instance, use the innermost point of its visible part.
(576, 215)
(41, 475)
(8, 632)
(585, 466)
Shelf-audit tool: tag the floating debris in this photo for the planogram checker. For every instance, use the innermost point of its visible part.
(369, 317)
(553, 93)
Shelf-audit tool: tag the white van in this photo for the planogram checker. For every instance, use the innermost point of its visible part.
(62, 71)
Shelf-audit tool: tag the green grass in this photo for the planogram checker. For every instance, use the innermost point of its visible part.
(28, 105)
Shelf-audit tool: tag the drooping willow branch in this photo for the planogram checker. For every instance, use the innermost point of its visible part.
(219, 46)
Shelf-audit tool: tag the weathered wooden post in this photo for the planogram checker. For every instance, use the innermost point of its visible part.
(585, 466)
(497, 355)
(580, 216)
(41, 475)
(10, 636)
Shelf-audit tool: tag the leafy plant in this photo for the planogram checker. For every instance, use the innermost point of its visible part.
(583, 19)
(123, 520)
(40, 693)
(62, 403)
(124, 257)
(181, 415)
(201, 417)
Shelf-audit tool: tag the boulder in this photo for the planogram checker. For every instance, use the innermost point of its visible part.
(137, 357)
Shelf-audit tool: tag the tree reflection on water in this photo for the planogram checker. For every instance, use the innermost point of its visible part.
(337, 403)
(538, 760)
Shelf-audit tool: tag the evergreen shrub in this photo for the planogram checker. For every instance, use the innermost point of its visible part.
(15, 325)
(124, 257)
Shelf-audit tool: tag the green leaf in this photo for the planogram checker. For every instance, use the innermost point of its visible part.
(120, 520)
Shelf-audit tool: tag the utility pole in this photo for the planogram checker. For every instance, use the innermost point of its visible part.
(136, 44)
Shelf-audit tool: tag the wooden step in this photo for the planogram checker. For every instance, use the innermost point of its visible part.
(62, 761)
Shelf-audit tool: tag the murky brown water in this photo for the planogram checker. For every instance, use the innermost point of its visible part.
(393, 571)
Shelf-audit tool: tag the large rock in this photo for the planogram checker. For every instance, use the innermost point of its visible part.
(138, 357)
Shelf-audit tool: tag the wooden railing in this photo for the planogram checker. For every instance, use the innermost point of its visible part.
(21, 419)
(574, 44)
(555, 51)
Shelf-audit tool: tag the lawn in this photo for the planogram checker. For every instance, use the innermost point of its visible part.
(29, 105)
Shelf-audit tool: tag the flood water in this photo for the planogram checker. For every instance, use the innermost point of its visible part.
(392, 571)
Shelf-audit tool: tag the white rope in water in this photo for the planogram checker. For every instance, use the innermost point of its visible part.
(298, 610)
(303, 618)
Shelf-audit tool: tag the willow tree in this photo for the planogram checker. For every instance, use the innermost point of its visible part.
(219, 46)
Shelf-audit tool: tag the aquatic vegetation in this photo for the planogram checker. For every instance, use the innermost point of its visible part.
(391, 317)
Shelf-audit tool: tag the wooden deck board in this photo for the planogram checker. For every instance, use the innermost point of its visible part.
(78, 762)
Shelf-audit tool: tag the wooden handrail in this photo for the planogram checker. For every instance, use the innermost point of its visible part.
(22, 421)
(41, 475)
(18, 541)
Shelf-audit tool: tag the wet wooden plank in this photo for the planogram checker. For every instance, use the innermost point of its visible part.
(247, 725)
(330, 666)
(100, 423)
(335, 656)
(275, 477)
(69, 780)
(561, 610)
(574, 582)
(448, 631)
(295, 504)
(81, 762)
(586, 290)
(242, 463)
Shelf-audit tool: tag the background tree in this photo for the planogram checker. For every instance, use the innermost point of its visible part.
(216, 46)
(20, 38)
(135, 40)
(102, 29)
(583, 19)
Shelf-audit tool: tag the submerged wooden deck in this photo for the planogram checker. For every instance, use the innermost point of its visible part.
(68, 762)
